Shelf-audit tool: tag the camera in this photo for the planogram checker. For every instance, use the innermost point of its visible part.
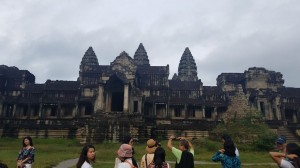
(174, 138)
(135, 140)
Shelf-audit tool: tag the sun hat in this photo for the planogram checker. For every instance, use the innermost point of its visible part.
(125, 150)
(151, 146)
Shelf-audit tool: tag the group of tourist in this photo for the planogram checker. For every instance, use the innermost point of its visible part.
(286, 156)
(155, 156)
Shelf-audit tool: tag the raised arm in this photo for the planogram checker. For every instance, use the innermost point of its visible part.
(191, 146)
(277, 157)
(170, 146)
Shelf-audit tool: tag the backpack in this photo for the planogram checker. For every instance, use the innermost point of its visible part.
(296, 162)
(186, 160)
(152, 165)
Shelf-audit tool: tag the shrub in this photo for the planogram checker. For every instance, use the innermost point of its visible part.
(249, 130)
(265, 142)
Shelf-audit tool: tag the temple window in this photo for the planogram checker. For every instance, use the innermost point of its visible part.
(135, 106)
(262, 107)
(25, 110)
(177, 112)
(53, 111)
(88, 110)
(208, 112)
(35, 111)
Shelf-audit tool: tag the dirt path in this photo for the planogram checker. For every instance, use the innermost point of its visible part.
(72, 162)
(67, 163)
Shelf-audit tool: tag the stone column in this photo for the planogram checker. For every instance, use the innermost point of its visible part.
(282, 113)
(140, 105)
(29, 111)
(126, 98)
(14, 112)
(185, 112)
(294, 120)
(297, 115)
(278, 113)
(153, 113)
(1, 109)
(203, 112)
(59, 115)
(40, 111)
(108, 102)
(99, 100)
(76, 110)
(214, 114)
(166, 112)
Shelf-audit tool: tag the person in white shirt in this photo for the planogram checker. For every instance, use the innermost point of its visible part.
(290, 159)
(87, 157)
(125, 156)
(127, 140)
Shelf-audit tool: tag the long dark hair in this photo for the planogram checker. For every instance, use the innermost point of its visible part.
(229, 148)
(83, 155)
(30, 141)
(159, 157)
(293, 148)
(226, 137)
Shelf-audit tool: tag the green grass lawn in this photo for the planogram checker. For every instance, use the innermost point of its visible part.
(49, 152)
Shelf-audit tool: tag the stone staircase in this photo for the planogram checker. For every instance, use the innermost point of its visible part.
(290, 137)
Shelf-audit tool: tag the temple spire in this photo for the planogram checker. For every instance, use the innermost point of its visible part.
(140, 57)
(187, 69)
(89, 58)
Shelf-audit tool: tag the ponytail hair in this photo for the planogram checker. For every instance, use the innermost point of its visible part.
(159, 157)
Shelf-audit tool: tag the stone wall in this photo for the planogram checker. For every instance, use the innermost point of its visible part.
(238, 107)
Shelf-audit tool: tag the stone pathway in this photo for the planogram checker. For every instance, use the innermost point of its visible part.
(72, 162)
(67, 163)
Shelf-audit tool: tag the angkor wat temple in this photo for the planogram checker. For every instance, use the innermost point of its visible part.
(130, 96)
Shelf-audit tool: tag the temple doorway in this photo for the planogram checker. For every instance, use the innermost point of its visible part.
(115, 93)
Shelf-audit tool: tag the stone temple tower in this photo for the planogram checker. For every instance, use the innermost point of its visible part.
(89, 66)
(187, 69)
(140, 57)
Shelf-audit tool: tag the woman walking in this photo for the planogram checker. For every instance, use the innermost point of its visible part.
(87, 157)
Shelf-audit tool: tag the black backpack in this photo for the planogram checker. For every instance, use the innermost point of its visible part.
(296, 162)
(186, 160)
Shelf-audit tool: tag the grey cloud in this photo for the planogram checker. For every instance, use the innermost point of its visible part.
(50, 40)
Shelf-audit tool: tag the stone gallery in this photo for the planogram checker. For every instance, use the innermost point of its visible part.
(130, 96)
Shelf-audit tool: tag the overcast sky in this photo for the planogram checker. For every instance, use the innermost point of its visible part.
(50, 37)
